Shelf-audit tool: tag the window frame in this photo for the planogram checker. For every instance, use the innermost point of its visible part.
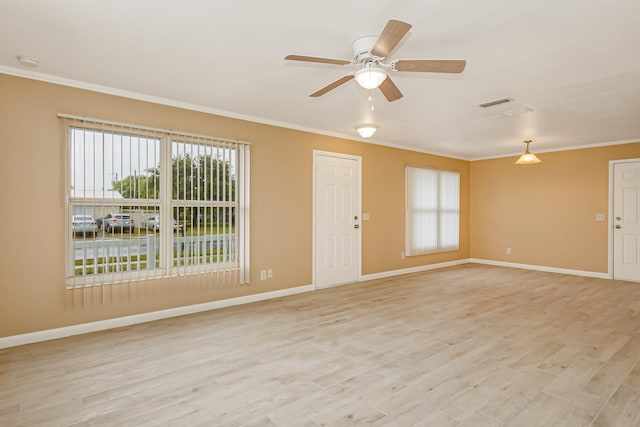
(162, 205)
(413, 244)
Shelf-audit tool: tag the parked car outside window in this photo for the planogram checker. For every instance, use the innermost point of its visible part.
(84, 224)
(118, 221)
(153, 224)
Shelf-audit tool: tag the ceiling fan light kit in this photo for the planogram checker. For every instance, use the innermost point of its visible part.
(528, 158)
(370, 76)
(366, 130)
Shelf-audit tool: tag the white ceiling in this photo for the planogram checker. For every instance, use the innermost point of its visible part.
(575, 63)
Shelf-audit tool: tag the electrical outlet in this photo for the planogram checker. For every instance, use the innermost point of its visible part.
(508, 251)
(270, 273)
(263, 274)
(402, 255)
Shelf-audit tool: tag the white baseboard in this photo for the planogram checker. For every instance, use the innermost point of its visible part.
(50, 334)
(418, 269)
(486, 262)
(542, 268)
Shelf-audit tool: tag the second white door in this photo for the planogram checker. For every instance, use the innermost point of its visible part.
(626, 221)
(337, 219)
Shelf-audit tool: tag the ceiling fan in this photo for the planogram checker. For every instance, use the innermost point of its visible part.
(369, 53)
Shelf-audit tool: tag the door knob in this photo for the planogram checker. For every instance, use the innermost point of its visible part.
(356, 226)
(618, 218)
(618, 226)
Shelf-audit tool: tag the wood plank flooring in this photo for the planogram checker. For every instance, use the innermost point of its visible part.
(472, 345)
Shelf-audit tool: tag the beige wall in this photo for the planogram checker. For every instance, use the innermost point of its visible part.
(545, 212)
(32, 223)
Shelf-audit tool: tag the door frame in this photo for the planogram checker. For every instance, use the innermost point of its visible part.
(320, 153)
(610, 224)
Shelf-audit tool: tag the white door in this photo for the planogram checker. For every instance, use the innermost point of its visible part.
(626, 221)
(336, 219)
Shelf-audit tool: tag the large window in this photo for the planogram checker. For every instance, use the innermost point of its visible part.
(145, 203)
(432, 211)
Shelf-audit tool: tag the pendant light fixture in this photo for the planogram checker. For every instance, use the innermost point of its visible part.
(527, 158)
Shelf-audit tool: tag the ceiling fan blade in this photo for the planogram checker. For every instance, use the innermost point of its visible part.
(390, 90)
(430, 66)
(316, 59)
(393, 32)
(332, 86)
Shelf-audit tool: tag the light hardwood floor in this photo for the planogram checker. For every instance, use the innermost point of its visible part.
(466, 346)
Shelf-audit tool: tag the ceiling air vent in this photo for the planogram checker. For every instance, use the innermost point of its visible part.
(495, 102)
(517, 111)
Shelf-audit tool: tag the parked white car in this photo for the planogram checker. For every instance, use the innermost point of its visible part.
(84, 224)
(118, 222)
(153, 223)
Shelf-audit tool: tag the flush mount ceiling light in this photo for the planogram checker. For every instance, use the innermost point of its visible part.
(527, 158)
(370, 76)
(366, 130)
(29, 61)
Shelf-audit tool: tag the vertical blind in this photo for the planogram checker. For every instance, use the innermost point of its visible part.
(432, 211)
(147, 203)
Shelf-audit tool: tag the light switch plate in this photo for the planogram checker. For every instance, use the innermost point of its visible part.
(365, 216)
(599, 217)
